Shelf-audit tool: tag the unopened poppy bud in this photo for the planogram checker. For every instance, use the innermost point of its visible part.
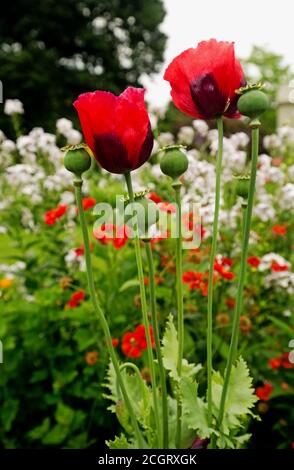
(253, 102)
(174, 163)
(242, 185)
(77, 159)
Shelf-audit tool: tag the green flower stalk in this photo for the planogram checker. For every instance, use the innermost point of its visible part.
(79, 162)
(174, 163)
(211, 267)
(158, 422)
(252, 103)
(154, 321)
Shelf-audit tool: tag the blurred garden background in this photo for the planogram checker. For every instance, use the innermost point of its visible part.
(52, 378)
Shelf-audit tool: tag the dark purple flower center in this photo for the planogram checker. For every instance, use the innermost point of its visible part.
(111, 153)
(207, 96)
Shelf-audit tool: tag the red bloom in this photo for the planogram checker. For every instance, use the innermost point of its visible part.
(60, 211)
(115, 342)
(281, 361)
(141, 336)
(219, 267)
(155, 198)
(167, 207)
(274, 363)
(230, 302)
(286, 364)
(204, 79)
(130, 346)
(279, 230)
(254, 261)
(52, 215)
(279, 267)
(76, 299)
(88, 202)
(91, 358)
(196, 281)
(133, 343)
(80, 250)
(109, 233)
(264, 392)
(116, 128)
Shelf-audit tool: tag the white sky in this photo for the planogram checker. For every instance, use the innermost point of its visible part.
(247, 22)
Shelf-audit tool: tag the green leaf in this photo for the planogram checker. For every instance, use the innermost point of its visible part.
(240, 397)
(8, 413)
(64, 414)
(39, 431)
(194, 409)
(169, 349)
(56, 435)
(128, 284)
(83, 338)
(120, 442)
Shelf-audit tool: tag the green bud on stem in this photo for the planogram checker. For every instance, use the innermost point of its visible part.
(77, 159)
(174, 163)
(253, 102)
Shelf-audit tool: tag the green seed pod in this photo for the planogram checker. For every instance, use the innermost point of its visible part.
(242, 185)
(174, 163)
(253, 103)
(147, 214)
(77, 161)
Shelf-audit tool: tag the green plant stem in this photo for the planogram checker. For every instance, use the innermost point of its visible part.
(244, 253)
(180, 304)
(211, 267)
(78, 193)
(145, 315)
(154, 321)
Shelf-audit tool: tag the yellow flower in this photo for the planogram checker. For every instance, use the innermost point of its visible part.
(5, 283)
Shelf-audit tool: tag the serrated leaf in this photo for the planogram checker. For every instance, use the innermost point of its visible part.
(119, 442)
(240, 397)
(194, 409)
(169, 349)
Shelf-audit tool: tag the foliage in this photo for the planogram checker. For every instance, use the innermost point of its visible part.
(94, 44)
(52, 381)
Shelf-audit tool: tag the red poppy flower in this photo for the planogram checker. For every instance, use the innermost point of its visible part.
(264, 392)
(91, 358)
(155, 198)
(279, 267)
(76, 299)
(167, 207)
(230, 302)
(130, 346)
(109, 233)
(115, 342)
(52, 215)
(254, 261)
(279, 230)
(275, 363)
(218, 267)
(88, 202)
(141, 336)
(204, 79)
(116, 128)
